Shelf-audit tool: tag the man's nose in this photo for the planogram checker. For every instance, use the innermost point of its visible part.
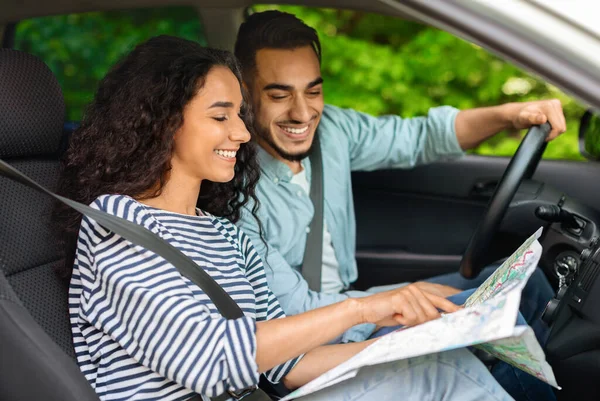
(300, 110)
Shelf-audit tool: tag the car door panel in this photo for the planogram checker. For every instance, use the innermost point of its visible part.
(416, 223)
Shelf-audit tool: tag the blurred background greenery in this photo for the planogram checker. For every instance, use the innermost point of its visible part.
(376, 64)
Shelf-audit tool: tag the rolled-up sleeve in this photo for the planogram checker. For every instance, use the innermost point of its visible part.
(395, 142)
(288, 285)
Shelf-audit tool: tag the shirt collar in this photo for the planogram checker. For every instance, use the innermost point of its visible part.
(277, 170)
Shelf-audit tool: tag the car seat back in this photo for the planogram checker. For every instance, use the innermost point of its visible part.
(36, 351)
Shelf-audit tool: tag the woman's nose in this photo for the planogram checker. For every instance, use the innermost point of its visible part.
(239, 133)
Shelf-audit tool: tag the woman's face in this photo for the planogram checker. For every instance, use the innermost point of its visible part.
(212, 130)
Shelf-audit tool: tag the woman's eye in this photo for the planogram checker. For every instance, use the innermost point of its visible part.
(278, 97)
(221, 119)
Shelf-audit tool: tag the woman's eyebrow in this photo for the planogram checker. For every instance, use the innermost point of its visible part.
(221, 104)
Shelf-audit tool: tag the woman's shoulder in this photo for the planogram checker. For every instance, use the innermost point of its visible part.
(223, 223)
(114, 203)
(231, 231)
(117, 205)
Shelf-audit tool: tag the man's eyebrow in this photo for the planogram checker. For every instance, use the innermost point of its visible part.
(288, 88)
(221, 104)
(278, 86)
(316, 82)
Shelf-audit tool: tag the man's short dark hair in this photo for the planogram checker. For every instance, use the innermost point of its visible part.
(272, 30)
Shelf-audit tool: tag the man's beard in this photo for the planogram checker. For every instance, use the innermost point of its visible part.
(264, 133)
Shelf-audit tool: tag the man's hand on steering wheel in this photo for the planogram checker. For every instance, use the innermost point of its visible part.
(538, 112)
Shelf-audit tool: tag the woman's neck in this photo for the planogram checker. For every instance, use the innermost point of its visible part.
(179, 195)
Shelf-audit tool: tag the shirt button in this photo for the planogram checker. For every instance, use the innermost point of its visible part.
(307, 230)
(275, 180)
(299, 193)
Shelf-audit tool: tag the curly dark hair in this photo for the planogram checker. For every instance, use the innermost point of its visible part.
(125, 141)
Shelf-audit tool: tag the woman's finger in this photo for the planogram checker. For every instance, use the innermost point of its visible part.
(442, 303)
(429, 310)
(420, 314)
(405, 308)
(401, 320)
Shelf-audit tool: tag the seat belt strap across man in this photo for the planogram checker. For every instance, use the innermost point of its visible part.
(312, 263)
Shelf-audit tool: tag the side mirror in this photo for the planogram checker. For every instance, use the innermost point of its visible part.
(589, 136)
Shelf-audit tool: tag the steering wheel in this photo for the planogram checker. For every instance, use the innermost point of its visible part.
(521, 166)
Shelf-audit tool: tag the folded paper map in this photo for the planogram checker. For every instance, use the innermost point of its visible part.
(488, 321)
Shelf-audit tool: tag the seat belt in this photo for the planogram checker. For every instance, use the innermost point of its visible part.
(312, 263)
(139, 235)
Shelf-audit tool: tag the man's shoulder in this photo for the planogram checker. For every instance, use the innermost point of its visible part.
(338, 129)
(344, 121)
(335, 115)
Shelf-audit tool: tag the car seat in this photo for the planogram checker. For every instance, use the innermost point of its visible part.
(36, 351)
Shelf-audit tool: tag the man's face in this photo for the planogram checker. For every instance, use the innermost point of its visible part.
(287, 95)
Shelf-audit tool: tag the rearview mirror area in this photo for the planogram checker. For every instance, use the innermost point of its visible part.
(589, 135)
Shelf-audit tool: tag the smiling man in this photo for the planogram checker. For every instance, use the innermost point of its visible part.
(286, 125)
(280, 58)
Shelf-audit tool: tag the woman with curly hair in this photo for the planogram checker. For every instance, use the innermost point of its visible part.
(164, 144)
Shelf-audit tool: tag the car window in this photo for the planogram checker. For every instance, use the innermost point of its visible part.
(80, 48)
(386, 65)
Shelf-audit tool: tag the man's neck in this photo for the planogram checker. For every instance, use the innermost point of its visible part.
(295, 166)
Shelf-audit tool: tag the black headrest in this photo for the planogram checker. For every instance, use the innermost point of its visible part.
(32, 108)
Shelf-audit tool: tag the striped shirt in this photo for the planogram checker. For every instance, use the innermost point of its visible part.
(142, 331)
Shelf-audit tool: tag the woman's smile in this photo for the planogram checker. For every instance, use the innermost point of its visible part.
(227, 155)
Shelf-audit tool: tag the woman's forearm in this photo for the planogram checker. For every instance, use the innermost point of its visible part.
(320, 360)
(280, 340)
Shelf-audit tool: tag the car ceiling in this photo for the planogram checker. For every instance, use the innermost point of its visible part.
(14, 10)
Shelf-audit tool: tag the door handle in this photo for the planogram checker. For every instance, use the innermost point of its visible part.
(484, 189)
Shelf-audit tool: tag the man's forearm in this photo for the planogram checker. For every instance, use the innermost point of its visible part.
(473, 126)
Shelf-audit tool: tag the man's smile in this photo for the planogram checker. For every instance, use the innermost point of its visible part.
(296, 133)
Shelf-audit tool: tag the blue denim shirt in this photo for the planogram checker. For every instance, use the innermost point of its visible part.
(350, 141)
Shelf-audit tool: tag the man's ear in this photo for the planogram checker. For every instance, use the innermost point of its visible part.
(247, 91)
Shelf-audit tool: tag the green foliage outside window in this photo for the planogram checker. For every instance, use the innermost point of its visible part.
(592, 137)
(80, 48)
(376, 64)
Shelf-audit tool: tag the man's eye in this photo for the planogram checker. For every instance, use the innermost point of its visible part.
(278, 97)
(315, 93)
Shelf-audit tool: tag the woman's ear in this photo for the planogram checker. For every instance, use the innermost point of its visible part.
(177, 133)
